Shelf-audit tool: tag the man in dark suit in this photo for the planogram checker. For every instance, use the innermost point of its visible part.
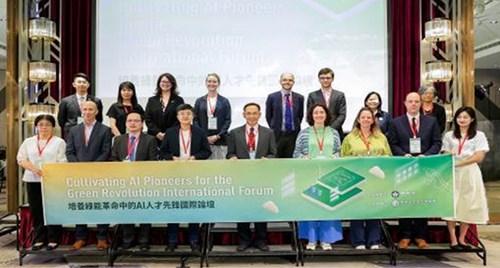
(333, 99)
(284, 113)
(251, 141)
(89, 141)
(414, 134)
(135, 146)
(70, 108)
(181, 143)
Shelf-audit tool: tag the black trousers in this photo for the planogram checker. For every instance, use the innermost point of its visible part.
(51, 233)
(417, 227)
(129, 233)
(246, 235)
(285, 144)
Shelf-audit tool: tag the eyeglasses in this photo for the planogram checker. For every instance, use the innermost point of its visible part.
(133, 121)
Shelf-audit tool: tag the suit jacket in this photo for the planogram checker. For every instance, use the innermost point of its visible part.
(337, 107)
(237, 144)
(274, 111)
(158, 120)
(400, 134)
(98, 146)
(147, 149)
(222, 112)
(171, 146)
(69, 111)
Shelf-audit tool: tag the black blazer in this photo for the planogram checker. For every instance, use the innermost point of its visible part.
(222, 112)
(171, 146)
(69, 111)
(237, 144)
(97, 149)
(274, 111)
(117, 111)
(337, 107)
(156, 119)
(440, 114)
(147, 149)
(400, 134)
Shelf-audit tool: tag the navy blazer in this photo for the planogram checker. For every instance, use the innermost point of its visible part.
(98, 146)
(69, 111)
(222, 112)
(274, 111)
(147, 149)
(171, 146)
(400, 134)
(158, 120)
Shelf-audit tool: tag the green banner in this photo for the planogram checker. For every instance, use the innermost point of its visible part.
(248, 190)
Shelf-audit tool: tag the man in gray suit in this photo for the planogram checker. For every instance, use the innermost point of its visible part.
(251, 141)
(70, 114)
(333, 99)
(135, 146)
(89, 141)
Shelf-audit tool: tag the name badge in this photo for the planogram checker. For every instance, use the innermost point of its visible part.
(415, 146)
(252, 154)
(212, 123)
(38, 163)
(79, 120)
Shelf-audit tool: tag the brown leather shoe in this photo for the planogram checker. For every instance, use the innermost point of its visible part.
(102, 245)
(78, 245)
(404, 243)
(421, 243)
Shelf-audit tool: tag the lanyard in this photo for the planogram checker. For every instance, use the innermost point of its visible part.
(288, 101)
(461, 144)
(212, 108)
(185, 145)
(321, 142)
(365, 141)
(40, 150)
(131, 147)
(414, 129)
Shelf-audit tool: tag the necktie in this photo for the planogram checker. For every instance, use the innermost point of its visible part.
(288, 113)
(131, 155)
(251, 140)
(414, 125)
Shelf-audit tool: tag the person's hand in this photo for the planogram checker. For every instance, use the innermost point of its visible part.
(175, 158)
(191, 158)
(233, 158)
(306, 156)
(408, 155)
(38, 172)
(212, 139)
(160, 136)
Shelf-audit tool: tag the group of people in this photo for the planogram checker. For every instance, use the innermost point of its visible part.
(176, 131)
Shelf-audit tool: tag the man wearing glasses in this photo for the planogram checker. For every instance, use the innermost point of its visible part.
(333, 99)
(135, 146)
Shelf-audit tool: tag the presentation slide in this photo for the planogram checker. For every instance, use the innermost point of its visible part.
(248, 43)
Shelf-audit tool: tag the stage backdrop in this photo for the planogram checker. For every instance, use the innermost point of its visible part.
(248, 190)
(248, 43)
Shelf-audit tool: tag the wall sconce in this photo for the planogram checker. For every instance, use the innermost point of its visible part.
(438, 71)
(42, 71)
(42, 28)
(438, 30)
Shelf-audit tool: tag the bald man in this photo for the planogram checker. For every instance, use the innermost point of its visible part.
(89, 141)
(414, 134)
(284, 113)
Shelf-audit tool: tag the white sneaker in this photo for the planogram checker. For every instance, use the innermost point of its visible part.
(311, 246)
(374, 247)
(360, 247)
(326, 246)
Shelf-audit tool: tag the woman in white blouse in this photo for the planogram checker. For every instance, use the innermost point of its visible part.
(469, 147)
(33, 153)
